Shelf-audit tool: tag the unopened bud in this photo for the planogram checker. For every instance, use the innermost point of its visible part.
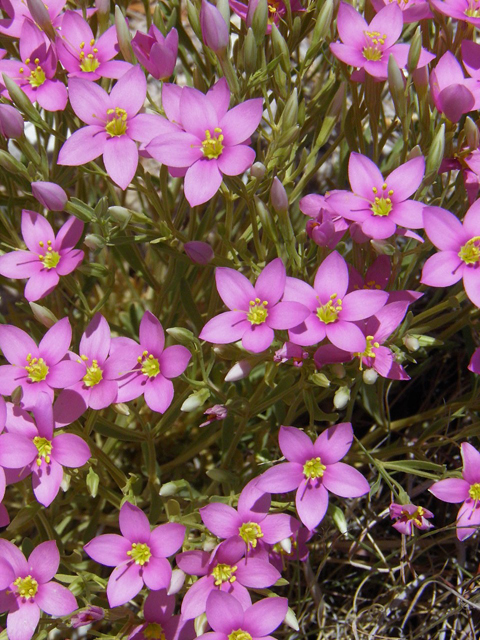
(94, 242)
(40, 15)
(43, 315)
(119, 214)
(195, 400)
(239, 371)
(176, 582)
(320, 379)
(214, 28)
(471, 133)
(194, 19)
(266, 219)
(121, 408)
(199, 252)
(258, 170)
(411, 342)
(416, 152)
(123, 35)
(201, 624)
(93, 480)
(370, 376)
(435, 155)
(12, 165)
(341, 398)
(383, 248)
(396, 83)
(278, 196)
(182, 335)
(286, 545)
(338, 518)
(290, 112)
(19, 98)
(257, 18)
(338, 370)
(280, 48)
(102, 6)
(11, 122)
(171, 488)
(250, 50)
(291, 620)
(50, 195)
(17, 395)
(415, 50)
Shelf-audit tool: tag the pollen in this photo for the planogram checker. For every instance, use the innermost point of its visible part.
(212, 146)
(117, 124)
(381, 206)
(474, 491)
(416, 516)
(44, 448)
(328, 313)
(140, 553)
(26, 587)
(51, 258)
(250, 532)
(257, 314)
(224, 573)
(37, 76)
(369, 352)
(313, 469)
(150, 364)
(94, 374)
(36, 368)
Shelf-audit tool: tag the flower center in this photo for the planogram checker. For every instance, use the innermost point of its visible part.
(470, 252)
(27, 587)
(257, 314)
(250, 532)
(44, 448)
(239, 635)
(328, 313)
(273, 7)
(416, 516)
(313, 468)
(37, 369)
(223, 573)
(117, 125)
(474, 491)
(374, 39)
(94, 374)
(50, 258)
(473, 10)
(140, 553)
(89, 62)
(212, 147)
(37, 75)
(153, 631)
(369, 352)
(150, 364)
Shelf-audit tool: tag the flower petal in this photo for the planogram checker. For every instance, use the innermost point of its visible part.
(257, 338)
(358, 305)
(239, 123)
(226, 327)
(333, 443)
(265, 616)
(468, 519)
(16, 451)
(345, 481)
(282, 478)
(295, 445)
(95, 342)
(174, 360)
(471, 463)
(444, 229)
(364, 176)
(55, 343)
(235, 160)
(331, 277)
(311, 502)
(124, 584)
(221, 519)
(159, 393)
(202, 181)
(43, 562)
(152, 336)
(224, 612)
(157, 573)
(130, 91)
(443, 269)
(120, 155)
(55, 599)
(451, 490)
(89, 101)
(41, 284)
(109, 549)
(70, 450)
(22, 622)
(346, 336)
(134, 523)
(167, 539)
(84, 145)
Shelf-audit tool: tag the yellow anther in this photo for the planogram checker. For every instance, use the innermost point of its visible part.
(250, 532)
(313, 468)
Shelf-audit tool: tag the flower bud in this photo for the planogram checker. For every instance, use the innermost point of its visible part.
(11, 164)
(396, 83)
(415, 50)
(17, 395)
(176, 582)
(280, 48)
(40, 15)
(11, 122)
(268, 225)
(341, 398)
(156, 52)
(93, 480)
(195, 400)
(338, 370)
(182, 335)
(94, 242)
(258, 170)
(119, 214)
(121, 408)
(20, 98)
(239, 371)
(278, 196)
(411, 342)
(250, 51)
(290, 112)
(43, 315)
(435, 155)
(194, 18)
(471, 133)
(199, 252)
(370, 376)
(50, 195)
(214, 28)
(217, 412)
(320, 379)
(286, 545)
(201, 624)
(291, 618)
(123, 35)
(338, 518)
(383, 248)
(102, 7)
(87, 616)
(257, 18)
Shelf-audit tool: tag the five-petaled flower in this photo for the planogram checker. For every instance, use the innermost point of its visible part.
(407, 516)
(466, 490)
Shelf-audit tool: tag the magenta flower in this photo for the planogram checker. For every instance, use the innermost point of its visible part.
(87, 616)
(459, 255)
(28, 588)
(151, 366)
(199, 252)
(48, 256)
(36, 369)
(292, 352)
(276, 10)
(158, 54)
(3, 419)
(35, 73)
(159, 623)
(212, 141)
(230, 621)
(412, 10)
(255, 311)
(98, 387)
(18, 12)
(225, 569)
(380, 204)
(313, 468)
(214, 28)
(293, 549)
(332, 313)
(451, 92)
(369, 46)
(377, 277)
(466, 490)
(377, 330)
(474, 364)
(465, 10)
(217, 412)
(113, 125)
(407, 516)
(29, 444)
(138, 555)
(326, 227)
(82, 55)
(250, 522)
(11, 122)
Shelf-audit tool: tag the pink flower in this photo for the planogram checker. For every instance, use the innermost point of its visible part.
(158, 54)
(159, 621)
(369, 47)
(50, 195)
(276, 10)
(28, 588)
(217, 412)
(113, 125)
(255, 311)
(290, 351)
(48, 256)
(35, 74)
(85, 57)
(87, 616)
(150, 366)
(452, 94)
(332, 313)
(459, 255)
(225, 569)
(138, 555)
(250, 522)
(379, 203)
(377, 277)
(30, 447)
(36, 369)
(466, 490)
(314, 470)
(211, 142)
(326, 227)
(465, 10)
(230, 621)
(214, 28)
(408, 515)
(412, 10)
